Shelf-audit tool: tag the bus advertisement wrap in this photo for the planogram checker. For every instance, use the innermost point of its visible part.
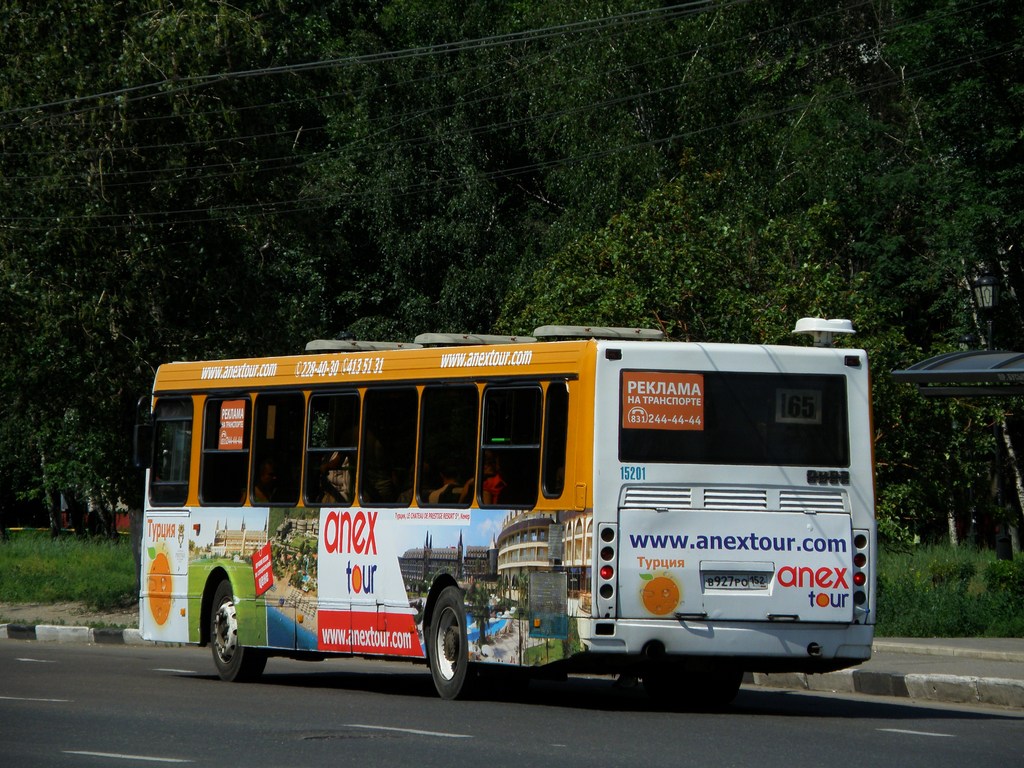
(737, 565)
(347, 580)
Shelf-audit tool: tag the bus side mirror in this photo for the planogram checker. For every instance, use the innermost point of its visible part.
(142, 445)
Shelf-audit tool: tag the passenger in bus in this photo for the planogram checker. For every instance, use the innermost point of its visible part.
(266, 482)
(403, 479)
(379, 481)
(336, 479)
(451, 490)
(494, 484)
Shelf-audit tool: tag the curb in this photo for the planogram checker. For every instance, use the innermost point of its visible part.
(49, 633)
(883, 646)
(950, 689)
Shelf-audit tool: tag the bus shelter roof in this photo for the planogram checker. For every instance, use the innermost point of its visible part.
(975, 373)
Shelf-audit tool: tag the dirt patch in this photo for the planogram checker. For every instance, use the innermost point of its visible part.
(67, 615)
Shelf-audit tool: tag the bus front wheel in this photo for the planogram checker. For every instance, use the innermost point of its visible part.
(235, 663)
(447, 645)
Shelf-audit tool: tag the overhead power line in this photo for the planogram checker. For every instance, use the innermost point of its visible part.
(173, 84)
(314, 202)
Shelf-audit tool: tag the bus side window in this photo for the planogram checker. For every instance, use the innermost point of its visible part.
(388, 449)
(331, 448)
(225, 461)
(556, 433)
(510, 450)
(172, 452)
(277, 449)
(448, 429)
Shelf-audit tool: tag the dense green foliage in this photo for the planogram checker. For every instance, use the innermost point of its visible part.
(99, 573)
(947, 592)
(196, 179)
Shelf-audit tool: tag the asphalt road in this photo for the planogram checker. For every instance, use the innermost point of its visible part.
(95, 705)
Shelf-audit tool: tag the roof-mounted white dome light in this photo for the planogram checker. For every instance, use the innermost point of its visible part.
(823, 330)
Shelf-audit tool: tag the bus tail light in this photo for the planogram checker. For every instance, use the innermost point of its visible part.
(608, 536)
(861, 563)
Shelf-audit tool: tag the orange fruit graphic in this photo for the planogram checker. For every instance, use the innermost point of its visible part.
(160, 588)
(660, 595)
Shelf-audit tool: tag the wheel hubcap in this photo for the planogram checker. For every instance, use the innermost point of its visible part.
(449, 644)
(225, 631)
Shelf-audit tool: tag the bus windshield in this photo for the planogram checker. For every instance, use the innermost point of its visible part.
(767, 419)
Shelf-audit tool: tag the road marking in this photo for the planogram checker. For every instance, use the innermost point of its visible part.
(175, 671)
(918, 733)
(411, 730)
(25, 698)
(38, 661)
(119, 756)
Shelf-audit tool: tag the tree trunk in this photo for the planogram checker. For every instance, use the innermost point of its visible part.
(76, 511)
(55, 514)
(1011, 522)
(102, 520)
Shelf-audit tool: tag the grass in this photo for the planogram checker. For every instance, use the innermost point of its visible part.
(96, 572)
(945, 591)
(931, 591)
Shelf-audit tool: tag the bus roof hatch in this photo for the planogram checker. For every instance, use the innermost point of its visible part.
(461, 339)
(354, 345)
(597, 332)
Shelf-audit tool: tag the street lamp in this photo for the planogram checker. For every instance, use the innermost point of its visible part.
(986, 298)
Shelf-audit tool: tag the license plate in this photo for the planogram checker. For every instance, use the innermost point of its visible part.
(740, 581)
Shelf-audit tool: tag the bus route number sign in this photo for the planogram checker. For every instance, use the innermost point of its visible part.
(798, 406)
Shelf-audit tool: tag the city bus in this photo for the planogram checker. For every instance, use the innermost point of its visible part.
(582, 500)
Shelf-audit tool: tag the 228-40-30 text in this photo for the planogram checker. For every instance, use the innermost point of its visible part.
(350, 366)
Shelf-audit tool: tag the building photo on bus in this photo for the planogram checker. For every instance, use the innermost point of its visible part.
(582, 500)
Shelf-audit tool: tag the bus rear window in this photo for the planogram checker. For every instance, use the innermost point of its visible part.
(766, 419)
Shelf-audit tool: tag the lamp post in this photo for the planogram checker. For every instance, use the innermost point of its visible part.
(986, 298)
(967, 342)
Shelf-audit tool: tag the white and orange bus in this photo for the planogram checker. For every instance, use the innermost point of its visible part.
(583, 500)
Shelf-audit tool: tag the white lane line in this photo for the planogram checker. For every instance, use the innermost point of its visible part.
(26, 698)
(175, 671)
(438, 734)
(38, 661)
(918, 733)
(119, 756)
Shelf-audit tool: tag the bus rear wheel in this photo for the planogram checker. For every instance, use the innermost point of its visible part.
(235, 663)
(447, 645)
(674, 687)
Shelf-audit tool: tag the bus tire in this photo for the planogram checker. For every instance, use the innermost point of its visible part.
(235, 663)
(447, 645)
(674, 688)
(721, 686)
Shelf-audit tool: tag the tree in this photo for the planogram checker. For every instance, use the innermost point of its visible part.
(204, 180)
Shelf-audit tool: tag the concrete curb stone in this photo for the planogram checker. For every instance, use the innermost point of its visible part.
(1000, 692)
(950, 689)
(966, 690)
(49, 633)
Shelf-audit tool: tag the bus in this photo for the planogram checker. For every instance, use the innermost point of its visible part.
(583, 500)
